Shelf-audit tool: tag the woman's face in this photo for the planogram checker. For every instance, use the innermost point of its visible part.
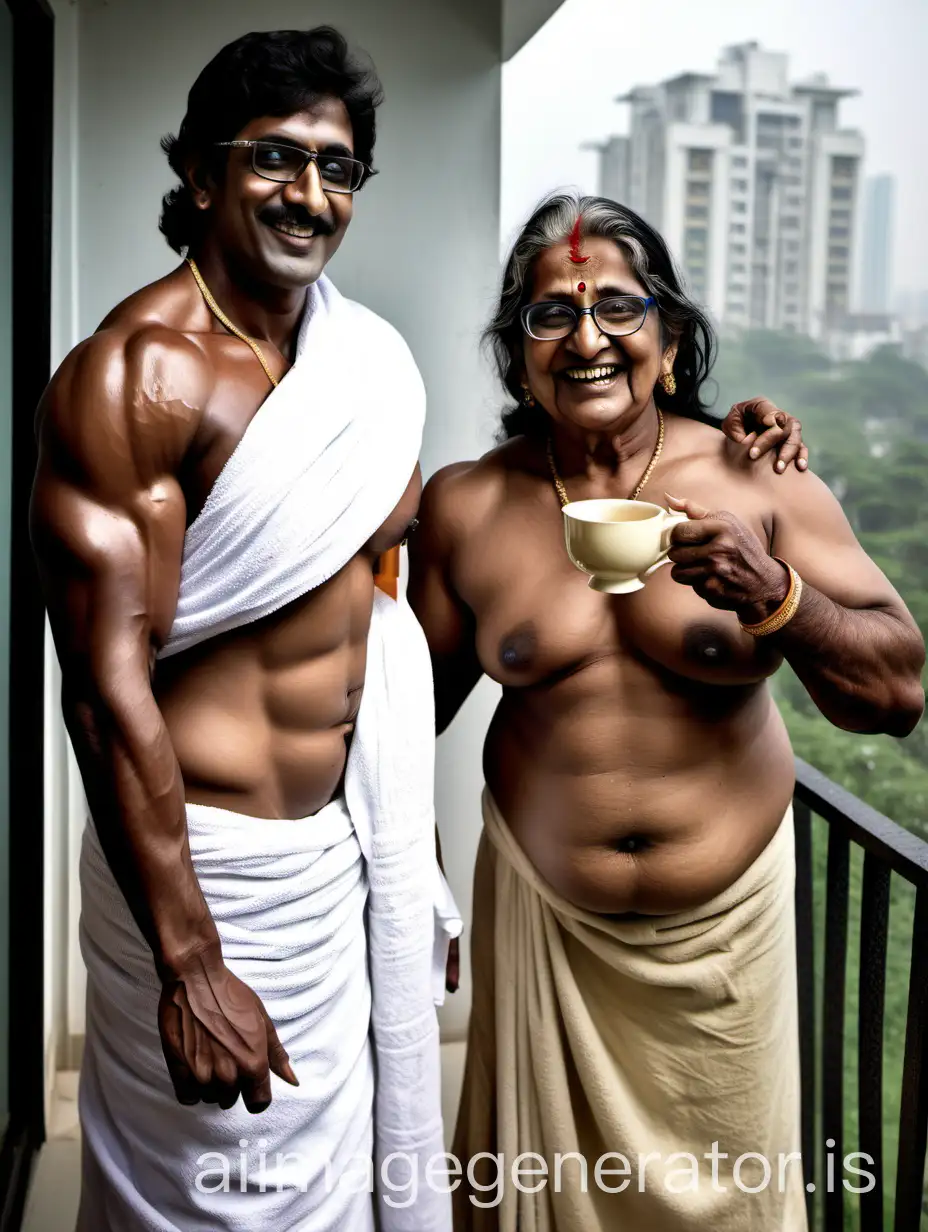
(588, 380)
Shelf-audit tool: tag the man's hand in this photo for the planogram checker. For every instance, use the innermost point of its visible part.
(760, 426)
(725, 563)
(453, 969)
(218, 1040)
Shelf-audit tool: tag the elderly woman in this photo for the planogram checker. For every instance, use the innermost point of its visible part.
(634, 1009)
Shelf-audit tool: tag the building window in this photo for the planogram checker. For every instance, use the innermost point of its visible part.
(737, 228)
(791, 268)
(737, 250)
(697, 211)
(843, 166)
(739, 161)
(739, 186)
(700, 160)
(739, 207)
(795, 142)
(839, 251)
(840, 193)
(838, 233)
(790, 223)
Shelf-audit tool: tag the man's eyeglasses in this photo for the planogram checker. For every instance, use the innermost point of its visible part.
(616, 316)
(285, 163)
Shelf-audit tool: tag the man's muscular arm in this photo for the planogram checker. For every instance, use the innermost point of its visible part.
(852, 642)
(108, 519)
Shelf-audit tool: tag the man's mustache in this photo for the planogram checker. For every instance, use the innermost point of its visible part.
(296, 216)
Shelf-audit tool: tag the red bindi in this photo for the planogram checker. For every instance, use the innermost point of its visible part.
(581, 286)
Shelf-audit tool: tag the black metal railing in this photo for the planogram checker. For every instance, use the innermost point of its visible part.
(887, 849)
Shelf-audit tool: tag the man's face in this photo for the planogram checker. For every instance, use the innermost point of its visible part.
(282, 233)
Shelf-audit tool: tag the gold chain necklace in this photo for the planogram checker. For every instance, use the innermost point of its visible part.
(221, 316)
(559, 483)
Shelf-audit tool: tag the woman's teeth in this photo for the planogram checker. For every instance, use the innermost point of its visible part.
(591, 376)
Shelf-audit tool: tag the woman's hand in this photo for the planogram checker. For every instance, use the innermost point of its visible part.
(760, 426)
(725, 563)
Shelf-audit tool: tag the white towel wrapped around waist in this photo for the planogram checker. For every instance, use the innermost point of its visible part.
(288, 898)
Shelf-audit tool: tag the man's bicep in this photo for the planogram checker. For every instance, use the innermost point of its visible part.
(94, 569)
(108, 516)
(812, 533)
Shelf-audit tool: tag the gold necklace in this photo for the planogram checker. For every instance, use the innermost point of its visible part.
(559, 483)
(221, 316)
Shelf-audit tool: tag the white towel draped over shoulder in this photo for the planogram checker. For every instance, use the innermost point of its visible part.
(321, 466)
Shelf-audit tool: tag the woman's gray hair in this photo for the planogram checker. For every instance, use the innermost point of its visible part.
(682, 320)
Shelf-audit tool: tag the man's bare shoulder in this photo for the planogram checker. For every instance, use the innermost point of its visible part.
(141, 382)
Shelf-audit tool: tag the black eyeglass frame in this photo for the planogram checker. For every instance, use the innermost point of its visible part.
(646, 300)
(309, 156)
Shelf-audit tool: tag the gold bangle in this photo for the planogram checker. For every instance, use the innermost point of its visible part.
(785, 612)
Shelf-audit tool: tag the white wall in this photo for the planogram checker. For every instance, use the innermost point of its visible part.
(422, 249)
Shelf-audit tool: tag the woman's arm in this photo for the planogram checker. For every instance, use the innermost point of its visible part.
(449, 624)
(852, 641)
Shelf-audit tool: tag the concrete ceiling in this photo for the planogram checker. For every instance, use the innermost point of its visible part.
(520, 20)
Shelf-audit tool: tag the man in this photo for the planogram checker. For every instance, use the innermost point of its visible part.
(209, 574)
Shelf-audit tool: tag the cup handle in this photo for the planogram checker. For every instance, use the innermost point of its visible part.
(670, 521)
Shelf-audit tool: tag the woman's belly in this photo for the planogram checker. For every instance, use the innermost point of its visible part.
(630, 811)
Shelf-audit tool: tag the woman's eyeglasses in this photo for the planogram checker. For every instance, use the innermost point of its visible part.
(616, 316)
(285, 163)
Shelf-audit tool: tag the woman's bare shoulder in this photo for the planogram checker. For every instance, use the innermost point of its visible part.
(464, 493)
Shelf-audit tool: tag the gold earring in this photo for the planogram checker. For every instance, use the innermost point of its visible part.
(669, 383)
(527, 399)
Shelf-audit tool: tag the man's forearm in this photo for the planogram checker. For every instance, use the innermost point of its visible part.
(862, 667)
(136, 797)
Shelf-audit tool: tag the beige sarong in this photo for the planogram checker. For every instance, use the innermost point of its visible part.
(652, 1064)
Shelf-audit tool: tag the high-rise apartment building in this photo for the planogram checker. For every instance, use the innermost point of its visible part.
(876, 246)
(753, 185)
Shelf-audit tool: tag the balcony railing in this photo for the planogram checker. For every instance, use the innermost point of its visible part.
(887, 849)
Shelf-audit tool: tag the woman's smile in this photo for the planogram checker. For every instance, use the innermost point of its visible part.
(599, 377)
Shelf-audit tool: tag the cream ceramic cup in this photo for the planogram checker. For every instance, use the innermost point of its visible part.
(618, 543)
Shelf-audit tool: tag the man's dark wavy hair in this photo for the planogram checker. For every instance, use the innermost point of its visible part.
(272, 73)
(681, 318)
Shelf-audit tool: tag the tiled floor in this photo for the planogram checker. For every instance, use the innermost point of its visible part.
(53, 1197)
(55, 1189)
